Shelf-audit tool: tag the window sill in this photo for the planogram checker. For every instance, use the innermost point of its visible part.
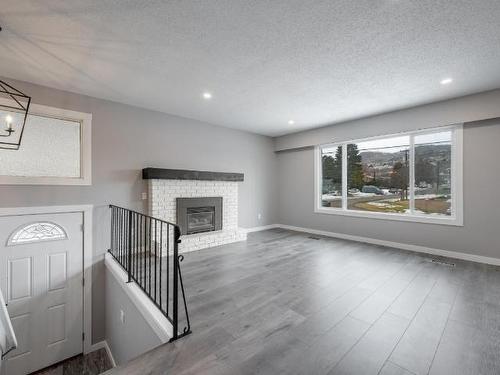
(453, 221)
(21, 180)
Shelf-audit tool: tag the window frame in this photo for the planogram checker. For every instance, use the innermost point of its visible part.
(85, 120)
(456, 217)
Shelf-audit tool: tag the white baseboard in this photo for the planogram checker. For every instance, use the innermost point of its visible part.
(397, 245)
(103, 344)
(258, 229)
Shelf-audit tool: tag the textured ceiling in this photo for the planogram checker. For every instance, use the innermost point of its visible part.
(266, 62)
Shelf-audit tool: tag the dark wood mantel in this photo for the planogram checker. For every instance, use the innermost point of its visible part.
(184, 174)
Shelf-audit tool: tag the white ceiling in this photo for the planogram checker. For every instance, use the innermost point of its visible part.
(265, 62)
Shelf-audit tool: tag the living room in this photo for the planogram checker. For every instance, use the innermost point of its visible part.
(249, 187)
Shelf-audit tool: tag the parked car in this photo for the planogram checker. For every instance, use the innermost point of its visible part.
(372, 189)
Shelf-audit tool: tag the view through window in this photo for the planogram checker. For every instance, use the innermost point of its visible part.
(378, 177)
(332, 177)
(433, 191)
(405, 174)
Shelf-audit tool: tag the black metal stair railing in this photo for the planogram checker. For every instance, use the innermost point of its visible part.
(147, 248)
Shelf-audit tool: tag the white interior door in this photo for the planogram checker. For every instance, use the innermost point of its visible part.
(41, 264)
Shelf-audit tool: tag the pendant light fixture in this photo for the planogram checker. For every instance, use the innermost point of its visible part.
(14, 107)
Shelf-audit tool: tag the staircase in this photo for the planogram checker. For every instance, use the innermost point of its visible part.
(147, 249)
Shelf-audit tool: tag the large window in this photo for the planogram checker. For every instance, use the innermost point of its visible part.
(55, 149)
(413, 177)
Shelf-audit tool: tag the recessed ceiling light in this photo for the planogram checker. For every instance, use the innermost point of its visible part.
(446, 81)
(207, 95)
(291, 122)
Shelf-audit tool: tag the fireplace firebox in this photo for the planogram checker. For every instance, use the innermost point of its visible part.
(200, 214)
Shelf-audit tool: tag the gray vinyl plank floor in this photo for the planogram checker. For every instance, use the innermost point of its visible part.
(286, 303)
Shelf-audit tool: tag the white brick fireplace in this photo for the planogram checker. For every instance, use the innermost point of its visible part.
(164, 191)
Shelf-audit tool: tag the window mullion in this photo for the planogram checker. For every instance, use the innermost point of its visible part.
(412, 174)
(344, 176)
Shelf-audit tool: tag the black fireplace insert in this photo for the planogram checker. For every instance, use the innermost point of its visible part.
(200, 214)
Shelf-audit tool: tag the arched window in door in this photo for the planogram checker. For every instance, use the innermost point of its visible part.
(36, 232)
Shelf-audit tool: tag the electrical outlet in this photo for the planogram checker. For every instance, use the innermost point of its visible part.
(259, 216)
(144, 196)
(122, 317)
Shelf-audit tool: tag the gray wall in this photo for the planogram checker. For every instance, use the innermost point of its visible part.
(485, 105)
(126, 139)
(479, 235)
(133, 337)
